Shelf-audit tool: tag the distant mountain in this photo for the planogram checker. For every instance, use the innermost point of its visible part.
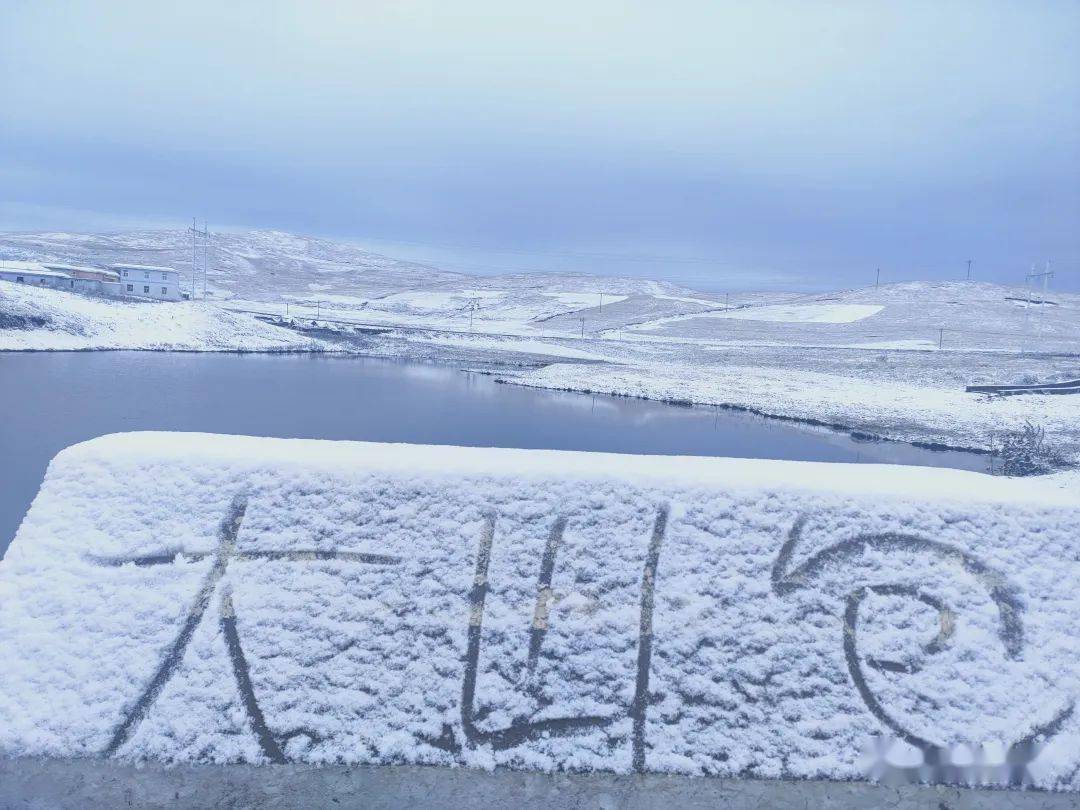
(259, 265)
(276, 266)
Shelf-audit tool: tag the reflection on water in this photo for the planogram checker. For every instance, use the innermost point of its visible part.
(52, 400)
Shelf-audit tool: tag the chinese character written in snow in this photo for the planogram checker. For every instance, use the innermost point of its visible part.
(225, 553)
(519, 731)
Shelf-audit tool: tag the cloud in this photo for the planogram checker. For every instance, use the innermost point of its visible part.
(808, 139)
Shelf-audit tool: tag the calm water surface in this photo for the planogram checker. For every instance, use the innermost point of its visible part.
(50, 400)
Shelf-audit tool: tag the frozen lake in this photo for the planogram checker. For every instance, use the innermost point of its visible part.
(51, 400)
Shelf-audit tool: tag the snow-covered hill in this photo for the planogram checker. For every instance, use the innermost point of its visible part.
(271, 266)
(270, 270)
(257, 265)
(283, 274)
(907, 315)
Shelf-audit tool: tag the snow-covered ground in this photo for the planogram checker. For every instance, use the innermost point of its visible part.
(778, 313)
(42, 319)
(901, 410)
(890, 361)
(270, 600)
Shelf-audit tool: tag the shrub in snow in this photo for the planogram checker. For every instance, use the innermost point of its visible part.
(12, 321)
(1024, 452)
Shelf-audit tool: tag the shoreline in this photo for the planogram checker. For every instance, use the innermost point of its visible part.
(498, 368)
(508, 372)
(836, 427)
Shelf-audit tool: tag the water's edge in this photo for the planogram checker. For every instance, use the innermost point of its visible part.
(860, 434)
(54, 400)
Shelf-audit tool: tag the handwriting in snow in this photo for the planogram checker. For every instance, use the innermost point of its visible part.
(786, 580)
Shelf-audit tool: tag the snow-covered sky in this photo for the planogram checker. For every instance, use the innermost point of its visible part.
(755, 143)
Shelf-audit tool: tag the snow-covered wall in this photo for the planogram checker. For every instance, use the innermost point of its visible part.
(273, 600)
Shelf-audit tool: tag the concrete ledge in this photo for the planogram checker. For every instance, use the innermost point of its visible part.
(63, 783)
(218, 599)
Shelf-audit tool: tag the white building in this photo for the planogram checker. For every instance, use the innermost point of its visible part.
(122, 280)
(148, 281)
(80, 272)
(39, 275)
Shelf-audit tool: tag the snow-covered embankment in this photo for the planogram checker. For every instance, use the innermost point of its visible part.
(914, 412)
(52, 320)
(194, 597)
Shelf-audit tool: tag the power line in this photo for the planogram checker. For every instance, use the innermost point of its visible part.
(200, 246)
(1045, 275)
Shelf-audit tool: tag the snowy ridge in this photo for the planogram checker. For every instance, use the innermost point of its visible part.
(271, 600)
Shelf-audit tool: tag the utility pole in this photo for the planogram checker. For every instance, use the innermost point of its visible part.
(726, 297)
(206, 255)
(194, 234)
(1045, 275)
(1027, 309)
(969, 270)
(877, 279)
(583, 327)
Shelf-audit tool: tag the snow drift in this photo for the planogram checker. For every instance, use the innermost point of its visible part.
(215, 598)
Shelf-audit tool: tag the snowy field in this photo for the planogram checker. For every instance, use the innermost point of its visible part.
(938, 315)
(777, 313)
(889, 361)
(265, 600)
(42, 319)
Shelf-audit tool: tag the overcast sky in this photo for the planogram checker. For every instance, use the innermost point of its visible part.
(747, 144)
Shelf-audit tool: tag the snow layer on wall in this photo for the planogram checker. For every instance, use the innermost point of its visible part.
(268, 600)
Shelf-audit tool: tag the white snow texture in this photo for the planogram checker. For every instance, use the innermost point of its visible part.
(188, 597)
